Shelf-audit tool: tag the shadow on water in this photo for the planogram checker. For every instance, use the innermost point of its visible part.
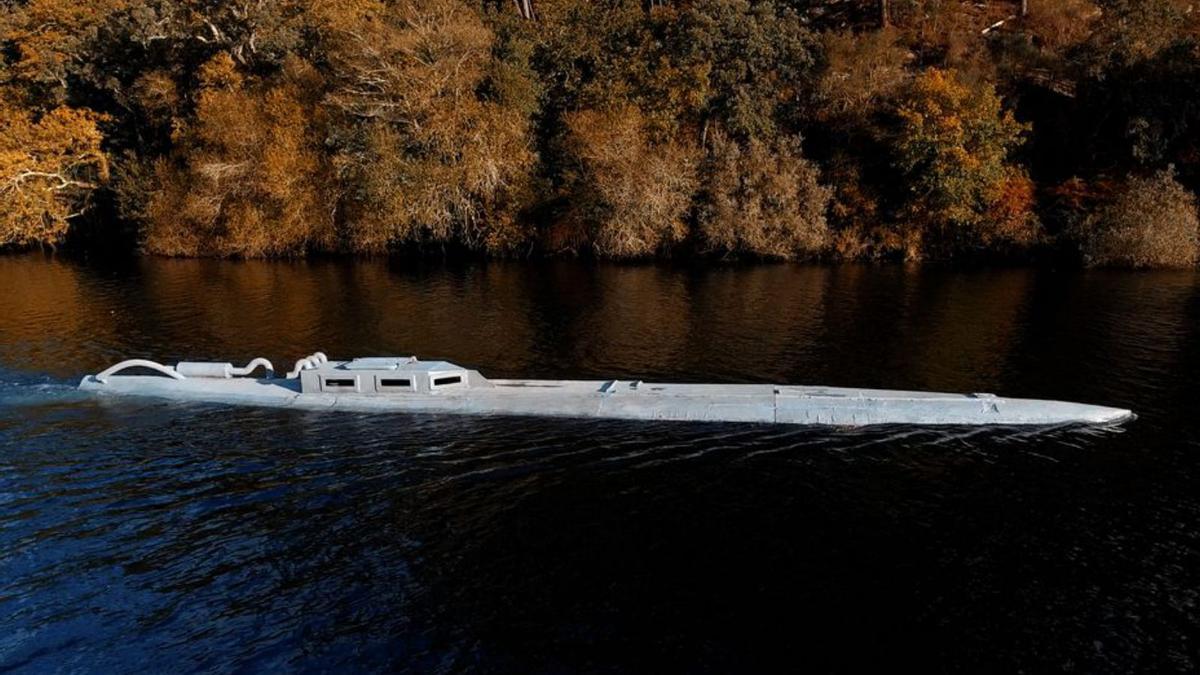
(144, 535)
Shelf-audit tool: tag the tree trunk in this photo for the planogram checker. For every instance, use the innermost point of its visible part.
(525, 9)
(885, 12)
(1024, 8)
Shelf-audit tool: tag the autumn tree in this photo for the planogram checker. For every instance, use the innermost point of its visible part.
(952, 149)
(429, 148)
(630, 195)
(762, 199)
(50, 166)
(47, 40)
(248, 176)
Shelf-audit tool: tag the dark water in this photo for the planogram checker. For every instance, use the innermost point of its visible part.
(163, 537)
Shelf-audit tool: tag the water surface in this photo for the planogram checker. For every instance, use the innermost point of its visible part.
(147, 535)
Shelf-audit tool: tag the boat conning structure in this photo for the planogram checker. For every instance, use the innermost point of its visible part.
(407, 384)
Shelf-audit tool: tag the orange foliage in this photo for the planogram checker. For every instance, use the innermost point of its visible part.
(49, 168)
(631, 195)
(1010, 214)
(48, 34)
(248, 177)
(429, 158)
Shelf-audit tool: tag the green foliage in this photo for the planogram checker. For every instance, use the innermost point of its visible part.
(952, 148)
(758, 57)
(1128, 31)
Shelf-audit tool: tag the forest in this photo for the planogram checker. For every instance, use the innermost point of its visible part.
(935, 130)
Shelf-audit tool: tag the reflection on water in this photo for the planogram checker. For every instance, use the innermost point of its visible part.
(851, 325)
(160, 536)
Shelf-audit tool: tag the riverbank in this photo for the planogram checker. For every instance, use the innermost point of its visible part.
(772, 129)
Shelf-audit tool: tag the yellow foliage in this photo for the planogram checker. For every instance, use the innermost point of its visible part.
(953, 149)
(632, 195)
(49, 167)
(763, 199)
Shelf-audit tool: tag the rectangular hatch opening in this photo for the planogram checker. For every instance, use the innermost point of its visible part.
(393, 384)
(339, 384)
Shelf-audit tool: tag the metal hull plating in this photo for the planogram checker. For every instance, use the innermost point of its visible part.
(636, 401)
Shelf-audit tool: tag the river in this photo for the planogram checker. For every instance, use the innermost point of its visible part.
(155, 536)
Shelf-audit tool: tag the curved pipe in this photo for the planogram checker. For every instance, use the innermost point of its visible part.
(138, 363)
(249, 368)
(313, 360)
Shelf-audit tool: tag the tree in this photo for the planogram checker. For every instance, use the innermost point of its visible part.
(428, 150)
(248, 177)
(759, 58)
(861, 74)
(1128, 31)
(762, 199)
(630, 195)
(48, 39)
(1153, 118)
(50, 166)
(952, 148)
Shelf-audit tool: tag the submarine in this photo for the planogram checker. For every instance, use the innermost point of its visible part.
(411, 385)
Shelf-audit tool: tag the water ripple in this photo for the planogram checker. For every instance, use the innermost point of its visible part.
(158, 536)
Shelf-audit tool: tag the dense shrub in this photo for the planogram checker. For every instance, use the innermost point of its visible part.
(631, 195)
(424, 154)
(248, 176)
(763, 200)
(1150, 222)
